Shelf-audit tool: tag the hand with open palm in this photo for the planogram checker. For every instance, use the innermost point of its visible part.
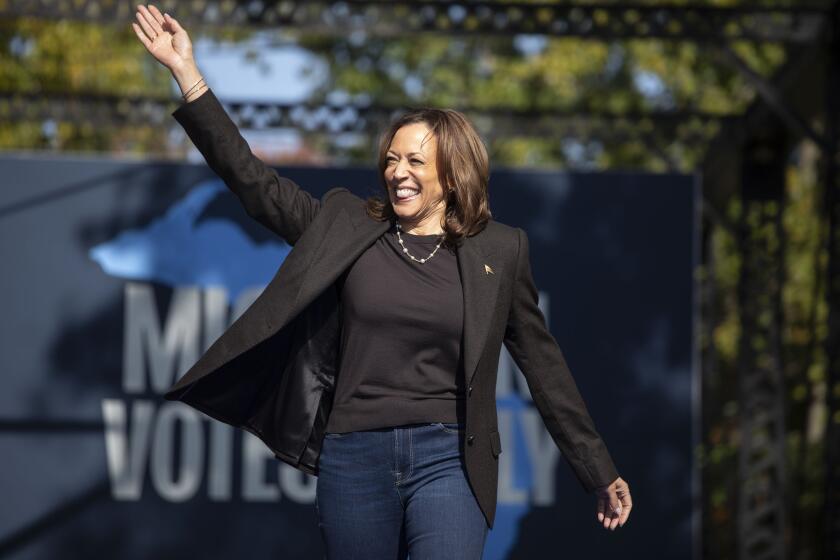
(163, 37)
(169, 43)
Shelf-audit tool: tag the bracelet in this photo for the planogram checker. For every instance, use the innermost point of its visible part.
(196, 87)
(189, 91)
(200, 88)
(195, 84)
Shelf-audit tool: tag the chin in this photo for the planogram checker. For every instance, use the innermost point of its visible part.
(405, 210)
(405, 216)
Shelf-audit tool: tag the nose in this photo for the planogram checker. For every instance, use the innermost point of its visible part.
(401, 170)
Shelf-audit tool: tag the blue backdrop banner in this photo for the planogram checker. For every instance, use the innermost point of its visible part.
(118, 275)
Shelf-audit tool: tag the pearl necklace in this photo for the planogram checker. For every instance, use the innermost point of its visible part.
(405, 249)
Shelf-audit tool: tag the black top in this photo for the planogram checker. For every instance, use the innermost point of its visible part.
(402, 323)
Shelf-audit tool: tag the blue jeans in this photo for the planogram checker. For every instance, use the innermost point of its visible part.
(384, 493)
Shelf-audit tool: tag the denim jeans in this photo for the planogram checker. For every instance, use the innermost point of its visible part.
(385, 493)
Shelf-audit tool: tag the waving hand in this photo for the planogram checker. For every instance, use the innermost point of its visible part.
(163, 37)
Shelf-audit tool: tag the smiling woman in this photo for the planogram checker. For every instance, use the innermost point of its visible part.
(370, 367)
(411, 176)
(440, 161)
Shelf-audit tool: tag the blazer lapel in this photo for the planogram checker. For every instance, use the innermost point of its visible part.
(480, 277)
(346, 239)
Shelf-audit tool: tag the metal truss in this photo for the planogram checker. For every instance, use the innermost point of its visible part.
(761, 453)
(656, 129)
(394, 18)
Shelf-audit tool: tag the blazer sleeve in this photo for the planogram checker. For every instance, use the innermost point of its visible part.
(276, 202)
(552, 386)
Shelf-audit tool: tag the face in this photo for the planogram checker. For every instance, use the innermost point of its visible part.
(411, 176)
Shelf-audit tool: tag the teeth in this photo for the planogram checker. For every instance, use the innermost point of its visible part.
(405, 193)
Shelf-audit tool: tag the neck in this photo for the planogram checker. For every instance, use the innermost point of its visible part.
(420, 229)
(427, 225)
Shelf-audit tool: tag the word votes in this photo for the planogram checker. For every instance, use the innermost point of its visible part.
(184, 453)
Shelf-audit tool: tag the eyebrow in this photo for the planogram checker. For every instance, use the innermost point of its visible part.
(410, 153)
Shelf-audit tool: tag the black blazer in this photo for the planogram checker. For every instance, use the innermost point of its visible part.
(273, 371)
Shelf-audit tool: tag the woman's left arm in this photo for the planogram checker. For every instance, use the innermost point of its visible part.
(557, 398)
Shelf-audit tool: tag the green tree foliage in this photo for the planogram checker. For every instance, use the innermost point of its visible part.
(71, 57)
(66, 57)
(567, 75)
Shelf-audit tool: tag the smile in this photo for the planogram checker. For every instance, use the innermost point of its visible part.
(406, 194)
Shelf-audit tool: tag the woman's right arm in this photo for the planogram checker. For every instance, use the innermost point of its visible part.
(276, 202)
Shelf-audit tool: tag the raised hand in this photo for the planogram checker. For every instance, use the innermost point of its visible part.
(164, 38)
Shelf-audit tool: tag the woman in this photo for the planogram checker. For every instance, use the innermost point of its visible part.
(370, 359)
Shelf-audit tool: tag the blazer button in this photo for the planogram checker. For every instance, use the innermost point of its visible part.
(470, 440)
(469, 391)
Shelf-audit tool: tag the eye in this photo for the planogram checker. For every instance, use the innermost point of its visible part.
(417, 161)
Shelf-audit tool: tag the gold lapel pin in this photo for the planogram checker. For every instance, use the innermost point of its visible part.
(488, 270)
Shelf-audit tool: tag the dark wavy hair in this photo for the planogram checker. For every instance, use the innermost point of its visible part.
(463, 170)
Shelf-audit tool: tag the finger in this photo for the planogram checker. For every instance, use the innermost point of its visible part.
(625, 514)
(173, 23)
(147, 15)
(626, 506)
(607, 513)
(615, 511)
(147, 29)
(156, 14)
(141, 36)
(600, 510)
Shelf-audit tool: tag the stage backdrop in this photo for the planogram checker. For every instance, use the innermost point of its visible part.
(116, 275)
